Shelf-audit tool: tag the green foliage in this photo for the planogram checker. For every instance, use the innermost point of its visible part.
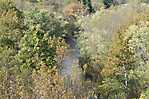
(131, 60)
(107, 3)
(34, 1)
(145, 94)
(47, 23)
(100, 29)
(88, 4)
(111, 88)
(11, 23)
(120, 47)
(114, 48)
(38, 45)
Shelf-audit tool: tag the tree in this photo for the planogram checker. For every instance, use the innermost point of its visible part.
(129, 62)
(11, 31)
(41, 41)
(121, 49)
(108, 3)
(11, 24)
(88, 5)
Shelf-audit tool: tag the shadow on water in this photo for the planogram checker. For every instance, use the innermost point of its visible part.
(71, 58)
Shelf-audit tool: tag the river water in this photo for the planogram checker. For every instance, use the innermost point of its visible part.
(71, 70)
(71, 58)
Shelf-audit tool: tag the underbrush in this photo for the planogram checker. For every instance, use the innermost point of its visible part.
(113, 44)
(111, 39)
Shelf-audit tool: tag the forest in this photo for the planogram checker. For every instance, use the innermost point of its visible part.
(74, 49)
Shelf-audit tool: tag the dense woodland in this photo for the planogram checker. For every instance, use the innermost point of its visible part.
(74, 49)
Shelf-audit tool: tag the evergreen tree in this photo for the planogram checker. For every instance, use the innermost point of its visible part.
(88, 5)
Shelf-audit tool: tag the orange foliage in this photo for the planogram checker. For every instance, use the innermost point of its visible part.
(74, 9)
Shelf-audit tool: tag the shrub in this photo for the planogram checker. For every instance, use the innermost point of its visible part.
(100, 29)
(74, 9)
(43, 41)
(131, 57)
(105, 38)
(11, 23)
(48, 84)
